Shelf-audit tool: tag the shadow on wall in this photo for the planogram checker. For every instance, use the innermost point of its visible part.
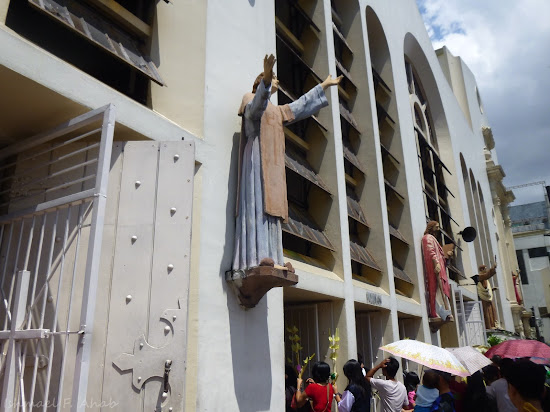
(249, 338)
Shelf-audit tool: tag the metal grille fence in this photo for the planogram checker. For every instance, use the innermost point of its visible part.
(305, 318)
(52, 199)
(370, 337)
(471, 325)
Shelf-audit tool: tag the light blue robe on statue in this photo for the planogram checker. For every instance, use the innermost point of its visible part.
(259, 235)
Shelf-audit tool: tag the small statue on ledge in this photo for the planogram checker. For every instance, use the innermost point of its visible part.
(261, 194)
(436, 274)
(485, 294)
(517, 287)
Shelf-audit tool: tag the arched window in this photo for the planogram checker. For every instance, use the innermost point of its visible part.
(471, 208)
(431, 167)
(422, 117)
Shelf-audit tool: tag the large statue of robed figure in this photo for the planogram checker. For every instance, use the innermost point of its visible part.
(258, 263)
(262, 198)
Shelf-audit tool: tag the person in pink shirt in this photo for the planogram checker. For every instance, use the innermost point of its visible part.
(411, 383)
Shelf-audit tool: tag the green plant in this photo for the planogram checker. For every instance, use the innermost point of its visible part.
(494, 340)
(334, 346)
(294, 337)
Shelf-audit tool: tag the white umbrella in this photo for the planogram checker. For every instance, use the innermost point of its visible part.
(428, 355)
(471, 358)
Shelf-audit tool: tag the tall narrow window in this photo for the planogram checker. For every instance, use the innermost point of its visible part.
(297, 38)
(391, 149)
(363, 265)
(432, 168)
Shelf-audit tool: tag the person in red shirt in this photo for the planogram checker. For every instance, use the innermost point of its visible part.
(319, 391)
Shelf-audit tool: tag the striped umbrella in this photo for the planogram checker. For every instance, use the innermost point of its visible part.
(471, 358)
(428, 355)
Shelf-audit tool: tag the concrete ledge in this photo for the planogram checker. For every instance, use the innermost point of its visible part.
(408, 306)
(251, 285)
(437, 323)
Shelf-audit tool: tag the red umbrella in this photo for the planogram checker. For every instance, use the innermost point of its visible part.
(519, 349)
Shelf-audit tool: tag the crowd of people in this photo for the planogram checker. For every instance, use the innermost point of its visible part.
(506, 385)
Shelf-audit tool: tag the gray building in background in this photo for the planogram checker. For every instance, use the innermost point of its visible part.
(531, 231)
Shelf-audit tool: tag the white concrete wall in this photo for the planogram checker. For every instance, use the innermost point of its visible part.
(243, 348)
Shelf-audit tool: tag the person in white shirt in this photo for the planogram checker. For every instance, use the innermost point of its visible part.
(393, 394)
(498, 389)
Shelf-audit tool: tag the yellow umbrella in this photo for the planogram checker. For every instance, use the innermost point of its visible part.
(428, 355)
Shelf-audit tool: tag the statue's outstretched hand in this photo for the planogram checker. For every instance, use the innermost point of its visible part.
(329, 82)
(269, 62)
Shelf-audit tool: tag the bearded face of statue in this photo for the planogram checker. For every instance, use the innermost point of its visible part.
(433, 228)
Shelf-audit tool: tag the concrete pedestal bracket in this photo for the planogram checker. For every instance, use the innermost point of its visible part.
(252, 284)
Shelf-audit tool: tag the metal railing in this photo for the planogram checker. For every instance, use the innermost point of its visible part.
(52, 197)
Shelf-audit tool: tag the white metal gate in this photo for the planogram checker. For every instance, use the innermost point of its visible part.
(305, 318)
(52, 203)
(471, 325)
(370, 336)
(141, 332)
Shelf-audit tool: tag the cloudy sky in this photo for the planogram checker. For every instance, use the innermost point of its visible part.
(507, 46)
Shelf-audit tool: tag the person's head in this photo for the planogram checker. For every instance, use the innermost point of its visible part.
(430, 379)
(352, 370)
(505, 365)
(482, 268)
(274, 83)
(432, 228)
(444, 379)
(320, 372)
(291, 377)
(411, 381)
(475, 382)
(490, 374)
(525, 382)
(497, 360)
(354, 373)
(391, 368)
(475, 396)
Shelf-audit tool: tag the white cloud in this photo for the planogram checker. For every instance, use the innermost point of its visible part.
(507, 47)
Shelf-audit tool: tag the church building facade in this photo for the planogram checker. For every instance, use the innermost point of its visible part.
(120, 134)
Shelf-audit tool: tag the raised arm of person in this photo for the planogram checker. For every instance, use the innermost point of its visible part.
(256, 107)
(301, 396)
(312, 101)
(488, 274)
(370, 374)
